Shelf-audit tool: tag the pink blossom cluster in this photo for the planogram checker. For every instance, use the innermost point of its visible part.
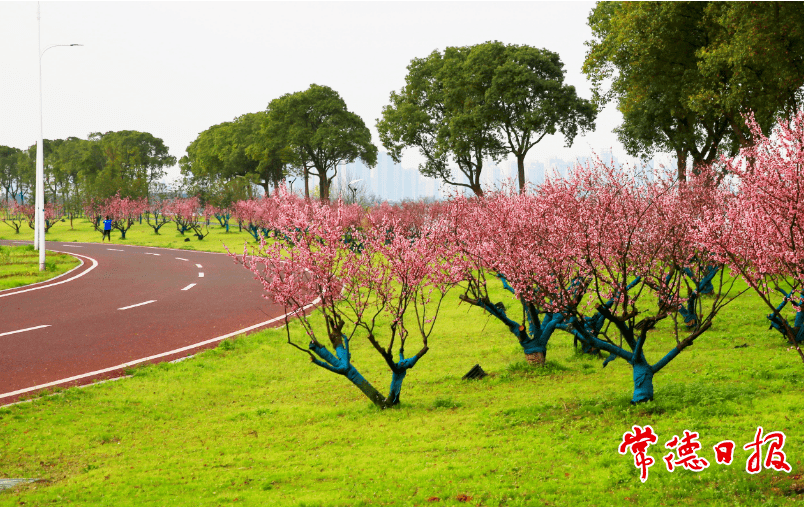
(598, 229)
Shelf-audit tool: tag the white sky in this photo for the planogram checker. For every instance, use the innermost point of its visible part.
(176, 68)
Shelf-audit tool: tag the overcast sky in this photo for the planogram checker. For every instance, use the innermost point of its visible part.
(176, 68)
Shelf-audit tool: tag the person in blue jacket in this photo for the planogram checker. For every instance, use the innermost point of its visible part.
(107, 229)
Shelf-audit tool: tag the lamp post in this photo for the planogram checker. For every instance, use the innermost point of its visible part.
(39, 212)
(354, 190)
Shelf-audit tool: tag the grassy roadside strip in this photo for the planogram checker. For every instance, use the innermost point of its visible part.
(19, 265)
(143, 234)
(252, 422)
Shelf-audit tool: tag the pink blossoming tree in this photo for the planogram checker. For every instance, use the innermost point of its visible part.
(404, 281)
(53, 213)
(13, 215)
(188, 214)
(156, 215)
(766, 221)
(124, 212)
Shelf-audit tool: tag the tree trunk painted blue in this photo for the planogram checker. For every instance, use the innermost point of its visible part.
(643, 380)
(643, 372)
(124, 226)
(399, 371)
(535, 337)
(593, 325)
(252, 229)
(396, 386)
(223, 219)
(777, 322)
(704, 286)
(340, 363)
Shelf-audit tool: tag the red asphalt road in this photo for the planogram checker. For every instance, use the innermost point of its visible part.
(88, 331)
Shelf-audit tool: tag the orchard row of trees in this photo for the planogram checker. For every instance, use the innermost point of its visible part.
(186, 213)
(605, 254)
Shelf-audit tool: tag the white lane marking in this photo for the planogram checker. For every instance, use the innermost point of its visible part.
(115, 250)
(149, 358)
(72, 246)
(94, 265)
(201, 275)
(179, 258)
(151, 253)
(23, 330)
(199, 266)
(138, 304)
(189, 286)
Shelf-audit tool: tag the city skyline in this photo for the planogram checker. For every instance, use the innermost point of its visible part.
(396, 182)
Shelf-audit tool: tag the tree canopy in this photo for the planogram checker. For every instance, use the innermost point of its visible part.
(133, 161)
(128, 162)
(683, 74)
(525, 96)
(313, 130)
(440, 121)
(481, 102)
(232, 150)
(9, 171)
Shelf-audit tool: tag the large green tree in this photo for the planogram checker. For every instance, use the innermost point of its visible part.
(232, 150)
(447, 122)
(481, 102)
(26, 174)
(313, 130)
(68, 164)
(524, 96)
(131, 161)
(683, 74)
(26, 170)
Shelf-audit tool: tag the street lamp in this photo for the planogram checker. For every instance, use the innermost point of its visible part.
(354, 190)
(39, 212)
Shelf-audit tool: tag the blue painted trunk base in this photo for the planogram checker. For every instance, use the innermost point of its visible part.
(643, 382)
(340, 363)
(777, 321)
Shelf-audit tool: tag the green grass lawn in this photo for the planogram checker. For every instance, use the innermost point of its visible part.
(19, 265)
(252, 422)
(141, 234)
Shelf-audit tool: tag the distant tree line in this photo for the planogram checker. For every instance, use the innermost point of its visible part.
(127, 162)
(683, 75)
